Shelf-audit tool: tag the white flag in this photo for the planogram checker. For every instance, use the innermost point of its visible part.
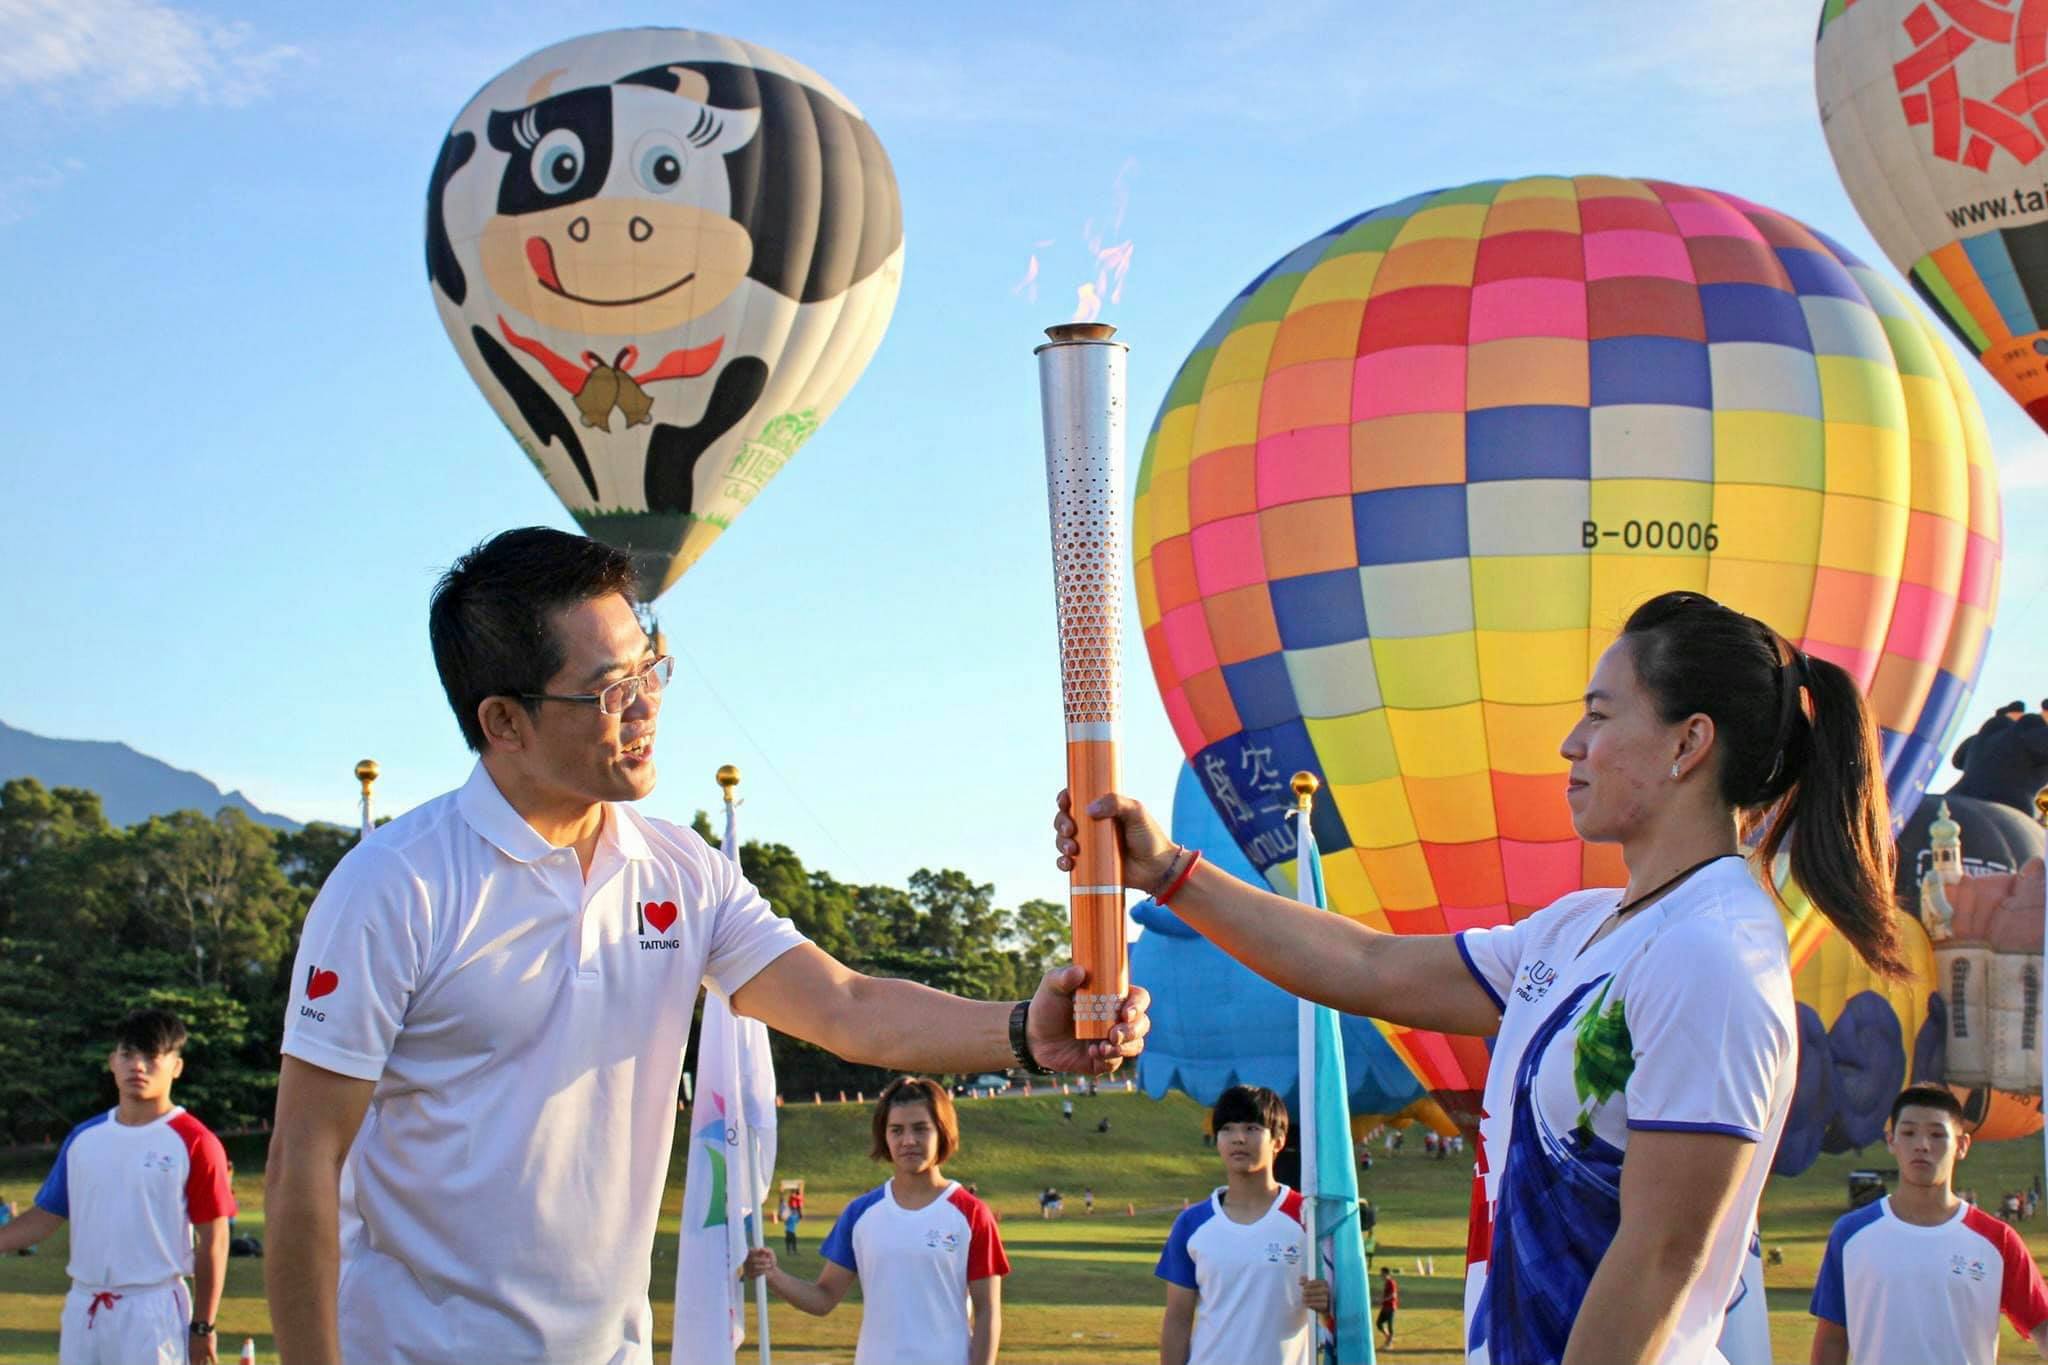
(730, 1170)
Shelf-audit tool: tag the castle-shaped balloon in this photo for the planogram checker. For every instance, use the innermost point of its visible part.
(1987, 938)
(1945, 869)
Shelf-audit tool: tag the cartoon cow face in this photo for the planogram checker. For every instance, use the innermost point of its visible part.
(614, 208)
(664, 257)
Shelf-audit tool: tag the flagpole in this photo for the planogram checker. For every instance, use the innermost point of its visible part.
(1305, 785)
(728, 779)
(366, 773)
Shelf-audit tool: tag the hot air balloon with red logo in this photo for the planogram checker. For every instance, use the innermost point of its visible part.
(1937, 116)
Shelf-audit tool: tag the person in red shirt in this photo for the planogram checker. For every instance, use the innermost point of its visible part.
(1390, 1299)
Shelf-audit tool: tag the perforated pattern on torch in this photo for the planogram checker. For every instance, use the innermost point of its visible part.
(1081, 387)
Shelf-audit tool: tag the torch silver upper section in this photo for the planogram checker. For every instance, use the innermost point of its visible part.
(1081, 393)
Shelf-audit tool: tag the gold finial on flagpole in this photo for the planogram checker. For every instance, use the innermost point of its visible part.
(366, 773)
(1305, 785)
(728, 778)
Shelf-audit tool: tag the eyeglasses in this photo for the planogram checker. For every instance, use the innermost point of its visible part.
(614, 700)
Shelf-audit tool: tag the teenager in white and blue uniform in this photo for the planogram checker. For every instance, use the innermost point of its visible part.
(1643, 1061)
(139, 1185)
(1237, 1290)
(1921, 1274)
(927, 1253)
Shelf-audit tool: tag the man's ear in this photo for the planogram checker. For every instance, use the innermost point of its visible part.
(1962, 1145)
(177, 1066)
(505, 722)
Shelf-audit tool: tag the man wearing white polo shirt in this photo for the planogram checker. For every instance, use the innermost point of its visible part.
(484, 1043)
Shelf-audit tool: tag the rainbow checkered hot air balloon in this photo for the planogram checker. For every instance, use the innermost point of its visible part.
(1418, 472)
(1937, 116)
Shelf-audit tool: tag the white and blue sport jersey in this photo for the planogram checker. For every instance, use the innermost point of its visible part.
(132, 1193)
(1247, 1283)
(1908, 1294)
(1681, 1019)
(914, 1267)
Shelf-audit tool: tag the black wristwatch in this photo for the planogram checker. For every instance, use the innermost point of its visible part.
(1020, 1042)
(202, 1329)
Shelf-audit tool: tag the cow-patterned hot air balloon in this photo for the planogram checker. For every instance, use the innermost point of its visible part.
(1416, 475)
(665, 256)
(1937, 116)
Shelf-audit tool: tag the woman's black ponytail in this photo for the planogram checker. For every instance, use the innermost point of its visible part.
(1799, 756)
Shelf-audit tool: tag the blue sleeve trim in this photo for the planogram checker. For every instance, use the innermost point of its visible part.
(1477, 975)
(55, 1195)
(1830, 1299)
(1176, 1263)
(838, 1244)
(1735, 1130)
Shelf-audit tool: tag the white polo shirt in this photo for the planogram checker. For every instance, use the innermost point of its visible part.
(525, 1029)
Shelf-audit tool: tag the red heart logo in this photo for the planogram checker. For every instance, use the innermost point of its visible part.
(660, 914)
(319, 983)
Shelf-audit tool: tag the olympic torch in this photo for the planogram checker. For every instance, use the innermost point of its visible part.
(1081, 391)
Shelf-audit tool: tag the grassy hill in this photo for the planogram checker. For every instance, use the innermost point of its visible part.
(1082, 1289)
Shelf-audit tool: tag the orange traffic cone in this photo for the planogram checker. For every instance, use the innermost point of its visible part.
(248, 1351)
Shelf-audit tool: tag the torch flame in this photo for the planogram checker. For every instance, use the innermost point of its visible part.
(1111, 262)
(1087, 304)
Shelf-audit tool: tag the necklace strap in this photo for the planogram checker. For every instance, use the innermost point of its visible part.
(1662, 887)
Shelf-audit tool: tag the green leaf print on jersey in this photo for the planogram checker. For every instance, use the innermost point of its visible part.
(1604, 1057)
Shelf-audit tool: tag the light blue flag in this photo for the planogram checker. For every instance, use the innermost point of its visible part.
(1329, 1174)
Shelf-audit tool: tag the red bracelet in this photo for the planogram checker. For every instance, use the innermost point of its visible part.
(1165, 897)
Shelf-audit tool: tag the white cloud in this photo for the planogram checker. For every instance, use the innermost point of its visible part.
(20, 190)
(115, 52)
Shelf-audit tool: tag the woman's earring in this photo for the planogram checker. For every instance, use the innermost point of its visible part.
(1674, 770)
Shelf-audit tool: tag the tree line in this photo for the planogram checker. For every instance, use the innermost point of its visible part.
(202, 915)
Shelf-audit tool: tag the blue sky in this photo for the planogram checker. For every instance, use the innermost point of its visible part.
(236, 447)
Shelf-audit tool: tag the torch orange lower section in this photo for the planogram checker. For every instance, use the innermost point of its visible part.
(1097, 915)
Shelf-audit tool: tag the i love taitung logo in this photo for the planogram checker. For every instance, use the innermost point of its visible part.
(319, 983)
(660, 914)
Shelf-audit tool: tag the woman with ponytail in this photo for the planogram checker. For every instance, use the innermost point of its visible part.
(1643, 1060)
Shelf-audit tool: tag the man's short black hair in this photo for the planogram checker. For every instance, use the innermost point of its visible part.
(2012, 706)
(151, 1033)
(1250, 1104)
(488, 619)
(1929, 1097)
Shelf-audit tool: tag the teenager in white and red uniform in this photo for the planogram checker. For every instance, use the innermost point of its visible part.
(1232, 1264)
(1644, 1042)
(1920, 1275)
(134, 1183)
(922, 1248)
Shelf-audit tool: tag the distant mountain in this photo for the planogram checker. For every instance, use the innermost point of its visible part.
(132, 786)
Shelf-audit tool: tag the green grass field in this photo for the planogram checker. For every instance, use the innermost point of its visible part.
(1081, 1289)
